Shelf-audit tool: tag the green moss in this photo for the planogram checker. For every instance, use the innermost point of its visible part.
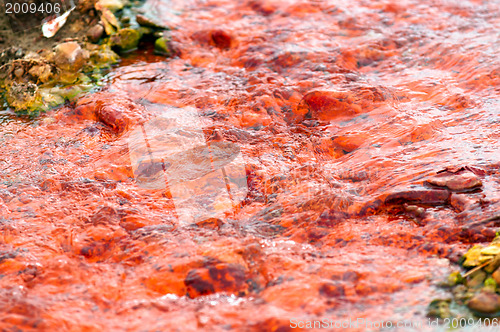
(125, 39)
(162, 47)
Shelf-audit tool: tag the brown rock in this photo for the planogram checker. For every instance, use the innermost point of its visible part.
(95, 33)
(430, 197)
(70, 56)
(485, 302)
(148, 22)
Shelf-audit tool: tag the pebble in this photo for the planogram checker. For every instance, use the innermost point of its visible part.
(485, 302)
(147, 22)
(95, 33)
(456, 182)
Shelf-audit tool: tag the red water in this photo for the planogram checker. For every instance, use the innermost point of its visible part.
(342, 111)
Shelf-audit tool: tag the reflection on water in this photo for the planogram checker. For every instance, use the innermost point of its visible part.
(169, 152)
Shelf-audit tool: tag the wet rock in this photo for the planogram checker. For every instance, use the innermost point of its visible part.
(485, 303)
(460, 202)
(221, 39)
(213, 223)
(51, 185)
(456, 182)
(70, 56)
(326, 106)
(348, 143)
(95, 33)
(331, 289)
(430, 197)
(162, 46)
(148, 22)
(106, 215)
(125, 39)
(220, 277)
(414, 210)
(116, 114)
(133, 222)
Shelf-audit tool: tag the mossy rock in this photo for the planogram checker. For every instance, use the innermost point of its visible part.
(125, 39)
(162, 46)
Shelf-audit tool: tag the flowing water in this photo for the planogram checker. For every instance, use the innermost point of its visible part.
(275, 169)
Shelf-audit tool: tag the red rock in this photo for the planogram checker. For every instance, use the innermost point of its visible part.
(222, 39)
(457, 182)
(328, 105)
(221, 277)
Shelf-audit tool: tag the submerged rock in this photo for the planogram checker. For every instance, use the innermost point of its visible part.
(326, 105)
(456, 182)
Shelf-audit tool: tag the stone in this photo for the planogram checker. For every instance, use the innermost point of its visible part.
(125, 39)
(439, 308)
(221, 39)
(162, 46)
(485, 303)
(148, 22)
(70, 56)
(326, 105)
(222, 277)
(456, 182)
(95, 33)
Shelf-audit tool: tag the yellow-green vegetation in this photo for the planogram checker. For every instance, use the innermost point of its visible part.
(476, 289)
